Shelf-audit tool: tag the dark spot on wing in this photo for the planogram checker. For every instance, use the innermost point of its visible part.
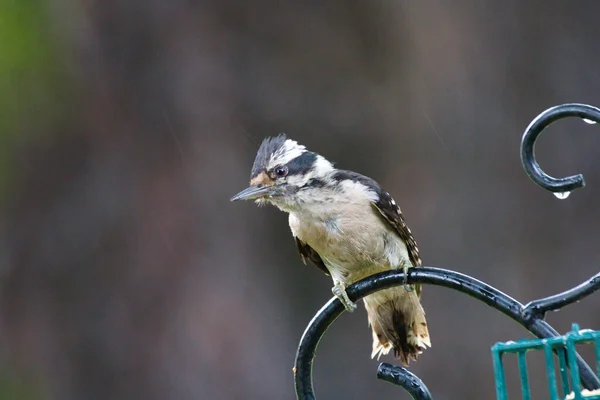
(307, 252)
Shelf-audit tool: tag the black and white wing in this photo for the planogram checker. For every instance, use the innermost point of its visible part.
(390, 211)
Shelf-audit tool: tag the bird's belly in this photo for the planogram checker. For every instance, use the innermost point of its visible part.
(348, 267)
(351, 249)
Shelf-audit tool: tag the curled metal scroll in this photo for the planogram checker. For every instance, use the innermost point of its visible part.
(532, 168)
(440, 277)
(530, 316)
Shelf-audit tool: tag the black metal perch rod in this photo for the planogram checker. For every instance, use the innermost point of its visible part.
(440, 277)
(530, 316)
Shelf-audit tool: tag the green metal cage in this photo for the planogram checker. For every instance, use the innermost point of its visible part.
(564, 348)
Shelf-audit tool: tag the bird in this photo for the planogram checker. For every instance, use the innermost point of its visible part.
(348, 226)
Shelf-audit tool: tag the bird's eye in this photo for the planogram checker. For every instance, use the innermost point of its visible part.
(280, 172)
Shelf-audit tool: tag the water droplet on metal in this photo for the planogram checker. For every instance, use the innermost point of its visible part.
(562, 195)
(589, 121)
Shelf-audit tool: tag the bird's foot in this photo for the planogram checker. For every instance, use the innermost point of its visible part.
(339, 291)
(407, 287)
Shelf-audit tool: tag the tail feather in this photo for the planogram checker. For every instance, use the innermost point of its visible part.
(398, 323)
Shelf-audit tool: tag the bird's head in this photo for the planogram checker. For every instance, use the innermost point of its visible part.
(283, 172)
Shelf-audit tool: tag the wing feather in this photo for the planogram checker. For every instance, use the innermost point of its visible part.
(307, 252)
(391, 213)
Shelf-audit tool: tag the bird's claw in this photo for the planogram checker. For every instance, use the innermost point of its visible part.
(339, 291)
(407, 287)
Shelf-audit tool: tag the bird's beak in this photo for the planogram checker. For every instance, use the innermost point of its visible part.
(252, 193)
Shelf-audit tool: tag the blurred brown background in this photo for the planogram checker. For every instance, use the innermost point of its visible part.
(126, 273)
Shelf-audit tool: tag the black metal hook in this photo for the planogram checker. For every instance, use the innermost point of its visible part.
(541, 122)
(441, 277)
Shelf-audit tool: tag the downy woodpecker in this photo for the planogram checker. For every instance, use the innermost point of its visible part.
(350, 228)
